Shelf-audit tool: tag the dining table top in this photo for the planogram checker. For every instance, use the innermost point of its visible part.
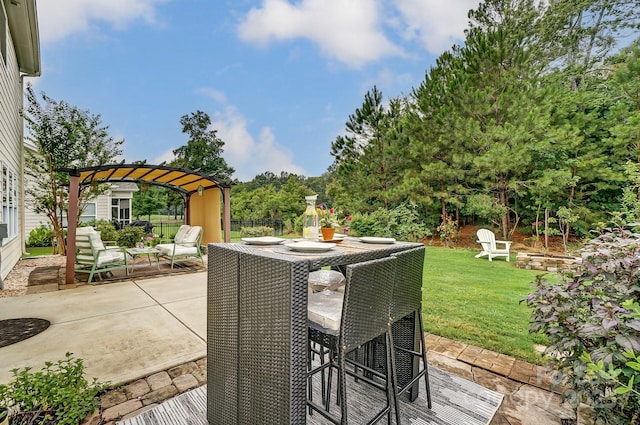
(347, 250)
(346, 245)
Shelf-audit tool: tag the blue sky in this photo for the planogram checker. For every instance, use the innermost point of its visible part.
(278, 78)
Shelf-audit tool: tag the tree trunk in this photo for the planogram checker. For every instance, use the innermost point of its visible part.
(546, 228)
(504, 202)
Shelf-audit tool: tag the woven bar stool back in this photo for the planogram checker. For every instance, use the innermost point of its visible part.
(364, 317)
(407, 301)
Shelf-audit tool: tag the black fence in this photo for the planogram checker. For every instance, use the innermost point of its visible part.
(165, 230)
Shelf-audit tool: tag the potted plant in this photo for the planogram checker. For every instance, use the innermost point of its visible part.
(329, 220)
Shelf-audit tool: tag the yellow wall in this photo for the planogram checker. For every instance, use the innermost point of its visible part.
(205, 211)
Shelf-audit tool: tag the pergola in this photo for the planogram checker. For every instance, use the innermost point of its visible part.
(203, 195)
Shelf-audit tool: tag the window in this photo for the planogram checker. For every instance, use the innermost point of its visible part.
(121, 211)
(10, 200)
(89, 212)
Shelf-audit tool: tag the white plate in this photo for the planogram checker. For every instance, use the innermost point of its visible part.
(371, 239)
(263, 240)
(306, 246)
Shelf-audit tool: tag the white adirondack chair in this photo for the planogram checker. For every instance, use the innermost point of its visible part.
(487, 239)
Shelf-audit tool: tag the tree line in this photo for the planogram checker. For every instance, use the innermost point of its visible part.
(534, 121)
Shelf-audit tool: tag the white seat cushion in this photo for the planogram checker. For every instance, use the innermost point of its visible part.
(110, 256)
(167, 249)
(324, 310)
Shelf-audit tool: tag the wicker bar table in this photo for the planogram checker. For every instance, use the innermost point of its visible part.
(257, 328)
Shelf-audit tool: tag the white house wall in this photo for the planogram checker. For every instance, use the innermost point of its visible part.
(11, 147)
(103, 211)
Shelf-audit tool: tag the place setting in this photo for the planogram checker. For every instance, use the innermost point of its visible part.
(373, 240)
(305, 247)
(263, 240)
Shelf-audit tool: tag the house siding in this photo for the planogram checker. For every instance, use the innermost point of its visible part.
(11, 146)
(103, 208)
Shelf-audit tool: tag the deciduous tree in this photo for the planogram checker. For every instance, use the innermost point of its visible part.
(64, 136)
(203, 149)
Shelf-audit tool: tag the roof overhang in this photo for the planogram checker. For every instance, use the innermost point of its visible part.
(23, 25)
(184, 181)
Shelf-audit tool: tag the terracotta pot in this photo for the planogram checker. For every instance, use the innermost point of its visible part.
(327, 233)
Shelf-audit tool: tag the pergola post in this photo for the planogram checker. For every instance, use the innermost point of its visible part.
(226, 213)
(72, 223)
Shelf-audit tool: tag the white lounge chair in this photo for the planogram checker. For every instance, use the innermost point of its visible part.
(185, 246)
(487, 239)
(93, 257)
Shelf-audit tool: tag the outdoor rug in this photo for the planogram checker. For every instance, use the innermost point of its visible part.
(456, 401)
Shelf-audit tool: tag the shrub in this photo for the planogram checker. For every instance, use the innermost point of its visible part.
(402, 222)
(57, 394)
(41, 236)
(250, 232)
(107, 230)
(129, 236)
(448, 230)
(589, 318)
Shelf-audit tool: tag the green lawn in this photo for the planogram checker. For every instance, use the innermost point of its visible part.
(475, 301)
(38, 251)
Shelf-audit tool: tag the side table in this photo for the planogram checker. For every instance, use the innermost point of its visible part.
(148, 251)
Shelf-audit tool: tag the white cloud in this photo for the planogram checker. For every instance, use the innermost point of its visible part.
(353, 32)
(166, 156)
(436, 24)
(58, 19)
(349, 31)
(214, 94)
(250, 157)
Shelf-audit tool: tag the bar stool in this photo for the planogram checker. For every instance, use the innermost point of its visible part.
(342, 324)
(405, 302)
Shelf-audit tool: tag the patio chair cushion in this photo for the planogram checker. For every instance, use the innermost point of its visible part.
(191, 236)
(110, 256)
(168, 249)
(96, 241)
(325, 309)
(181, 233)
(319, 280)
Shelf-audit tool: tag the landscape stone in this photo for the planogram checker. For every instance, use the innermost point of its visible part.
(112, 398)
(159, 380)
(121, 409)
(137, 389)
(159, 395)
(185, 382)
(182, 369)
